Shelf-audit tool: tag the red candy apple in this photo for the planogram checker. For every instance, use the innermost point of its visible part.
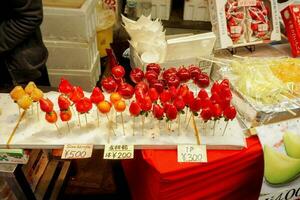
(179, 103)
(65, 115)
(153, 94)
(77, 94)
(229, 113)
(63, 102)
(153, 66)
(151, 76)
(183, 74)
(126, 91)
(165, 96)
(118, 71)
(158, 111)
(171, 112)
(159, 85)
(96, 96)
(84, 105)
(65, 86)
(135, 109)
(142, 86)
(136, 75)
(109, 84)
(169, 72)
(173, 80)
(46, 105)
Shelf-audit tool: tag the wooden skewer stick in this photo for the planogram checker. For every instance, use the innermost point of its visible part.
(16, 127)
(133, 126)
(111, 127)
(178, 125)
(197, 134)
(79, 119)
(68, 127)
(290, 111)
(57, 129)
(225, 128)
(37, 110)
(19, 109)
(187, 125)
(116, 115)
(238, 56)
(214, 127)
(287, 109)
(289, 100)
(32, 109)
(73, 109)
(98, 118)
(213, 61)
(86, 122)
(186, 113)
(158, 128)
(143, 124)
(123, 123)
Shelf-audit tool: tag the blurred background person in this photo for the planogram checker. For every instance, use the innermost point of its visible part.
(23, 54)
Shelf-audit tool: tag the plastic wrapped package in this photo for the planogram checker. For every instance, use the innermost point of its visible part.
(259, 24)
(244, 22)
(235, 17)
(261, 92)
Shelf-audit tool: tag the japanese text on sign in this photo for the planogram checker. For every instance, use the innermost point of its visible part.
(77, 151)
(118, 152)
(246, 2)
(191, 153)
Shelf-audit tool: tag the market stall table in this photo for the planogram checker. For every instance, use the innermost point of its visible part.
(156, 174)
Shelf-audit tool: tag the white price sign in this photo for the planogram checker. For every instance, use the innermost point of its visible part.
(290, 194)
(263, 27)
(246, 2)
(191, 153)
(77, 151)
(235, 29)
(118, 152)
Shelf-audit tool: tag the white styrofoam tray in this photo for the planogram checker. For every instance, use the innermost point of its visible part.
(71, 55)
(87, 79)
(34, 133)
(70, 24)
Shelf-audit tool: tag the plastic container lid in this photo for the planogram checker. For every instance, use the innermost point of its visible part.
(150, 57)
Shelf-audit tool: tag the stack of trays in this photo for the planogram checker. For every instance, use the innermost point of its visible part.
(72, 43)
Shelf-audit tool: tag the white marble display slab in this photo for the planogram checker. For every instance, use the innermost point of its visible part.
(37, 133)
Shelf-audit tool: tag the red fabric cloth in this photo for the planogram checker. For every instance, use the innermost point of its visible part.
(229, 174)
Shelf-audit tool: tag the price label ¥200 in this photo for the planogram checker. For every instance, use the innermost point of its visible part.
(77, 151)
(118, 152)
(191, 153)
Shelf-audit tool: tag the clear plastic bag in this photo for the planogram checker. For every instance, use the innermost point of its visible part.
(235, 17)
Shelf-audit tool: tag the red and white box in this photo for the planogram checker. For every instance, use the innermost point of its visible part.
(291, 19)
(244, 22)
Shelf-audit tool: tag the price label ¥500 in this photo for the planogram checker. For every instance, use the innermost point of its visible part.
(118, 152)
(191, 153)
(77, 151)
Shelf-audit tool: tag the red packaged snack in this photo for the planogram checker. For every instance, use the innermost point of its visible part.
(291, 19)
(258, 21)
(235, 18)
